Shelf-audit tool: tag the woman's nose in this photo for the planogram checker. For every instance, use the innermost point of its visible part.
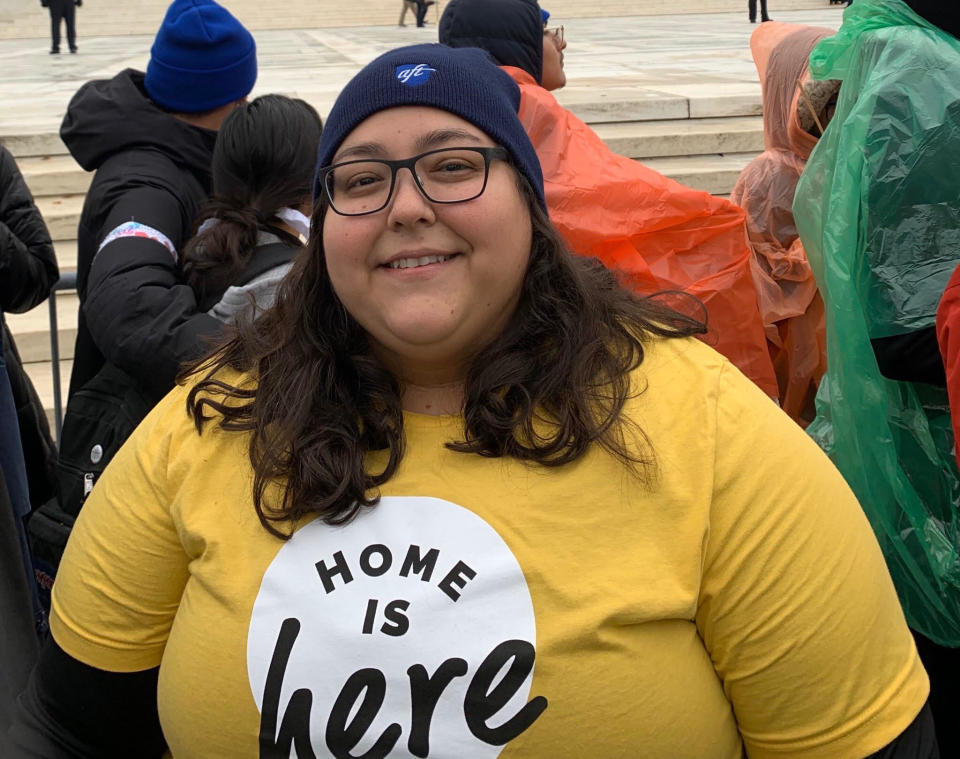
(408, 204)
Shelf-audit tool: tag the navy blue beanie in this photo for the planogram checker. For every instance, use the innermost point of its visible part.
(202, 58)
(510, 30)
(462, 81)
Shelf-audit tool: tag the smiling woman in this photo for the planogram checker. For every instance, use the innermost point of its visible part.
(433, 278)
(460, 495)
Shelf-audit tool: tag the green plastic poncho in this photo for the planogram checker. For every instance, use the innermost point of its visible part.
(878, 210)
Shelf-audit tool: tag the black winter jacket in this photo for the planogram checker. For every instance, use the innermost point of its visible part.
(511, 31)
(28, 266)
(28, 272)
(153, 169)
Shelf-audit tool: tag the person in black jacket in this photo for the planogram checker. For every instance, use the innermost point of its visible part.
(28, 271)
(65, 11)
(150, 138)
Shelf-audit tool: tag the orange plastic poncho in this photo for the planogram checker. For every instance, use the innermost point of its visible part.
(656, 233)
(791, 307)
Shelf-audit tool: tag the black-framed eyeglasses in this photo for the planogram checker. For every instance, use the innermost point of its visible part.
(447, 175)
(556, 32)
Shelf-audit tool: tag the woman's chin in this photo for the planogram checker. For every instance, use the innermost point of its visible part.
(422, 340)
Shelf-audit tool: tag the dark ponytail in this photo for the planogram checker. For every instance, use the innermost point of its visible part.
(263, 161)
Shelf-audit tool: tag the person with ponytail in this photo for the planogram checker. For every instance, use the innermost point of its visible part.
(250, 231)
(248, 235)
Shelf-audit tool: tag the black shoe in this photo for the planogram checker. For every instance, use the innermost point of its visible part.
(55, 51)
(73, 50)
(753, 21)
(765, 18)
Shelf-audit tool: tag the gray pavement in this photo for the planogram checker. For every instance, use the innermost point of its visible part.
(694, 58)
(24, 19)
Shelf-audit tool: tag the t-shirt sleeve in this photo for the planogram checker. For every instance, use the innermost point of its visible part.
(797, 608)
(124, 568)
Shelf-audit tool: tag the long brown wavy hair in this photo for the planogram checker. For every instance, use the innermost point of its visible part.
(552, 384)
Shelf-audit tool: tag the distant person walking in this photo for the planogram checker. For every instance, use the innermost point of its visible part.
(422, 7)
(62, 10)
(419, 8)
(752, 8)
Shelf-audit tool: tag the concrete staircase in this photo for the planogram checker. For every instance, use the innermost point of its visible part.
(688, 107)
(706, 153)
(58, 185)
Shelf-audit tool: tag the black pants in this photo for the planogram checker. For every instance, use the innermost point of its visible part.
(943, 667)
(752, 7)
(63, 10)
(421, 11)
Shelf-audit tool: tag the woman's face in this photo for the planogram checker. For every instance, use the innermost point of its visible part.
(464, 263)
(552, 76)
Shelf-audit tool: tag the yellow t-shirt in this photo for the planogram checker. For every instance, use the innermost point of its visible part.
(490, 608)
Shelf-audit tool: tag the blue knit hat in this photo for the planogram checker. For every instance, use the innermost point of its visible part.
(202, 58)
(463, 81)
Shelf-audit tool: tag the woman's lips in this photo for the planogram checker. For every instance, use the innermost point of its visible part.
(415, 262)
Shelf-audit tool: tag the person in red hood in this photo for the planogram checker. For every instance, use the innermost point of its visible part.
(948, 336)
(790, 304)
(948, 312)
(657, 234)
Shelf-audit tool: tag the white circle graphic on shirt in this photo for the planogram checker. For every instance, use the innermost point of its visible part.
(409, 632)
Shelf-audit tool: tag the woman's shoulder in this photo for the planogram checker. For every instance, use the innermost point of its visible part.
(683, 383)
(678, 365)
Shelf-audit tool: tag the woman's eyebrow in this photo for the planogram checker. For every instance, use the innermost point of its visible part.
(439, 137)
(435, 138)
(361, 150)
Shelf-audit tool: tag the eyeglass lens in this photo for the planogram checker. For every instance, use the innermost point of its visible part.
(445, 176)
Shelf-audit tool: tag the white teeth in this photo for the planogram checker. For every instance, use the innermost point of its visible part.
(410, 263)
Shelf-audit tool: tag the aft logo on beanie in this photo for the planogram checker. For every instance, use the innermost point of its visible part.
(414, 74)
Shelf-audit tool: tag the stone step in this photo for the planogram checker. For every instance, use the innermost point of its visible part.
(66, 251)
(678, 137)
(32, 329)
(597, 100)
(53, 175)
(23, 144)
(705, 153)
(41, 375)
(636, 139)
(713, 173)
(62, 214)
(716, 174)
